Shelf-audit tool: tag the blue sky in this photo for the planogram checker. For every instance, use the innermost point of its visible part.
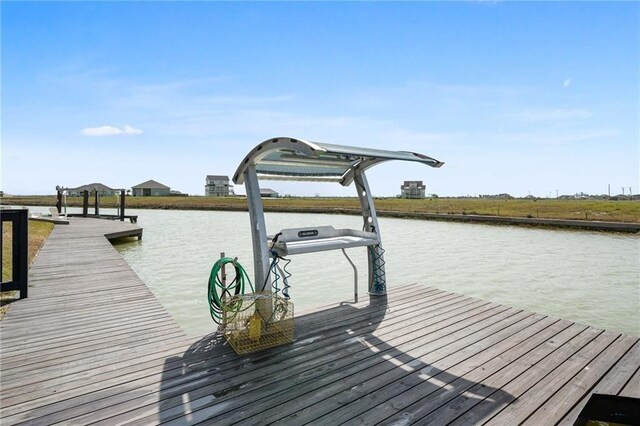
(513, 97)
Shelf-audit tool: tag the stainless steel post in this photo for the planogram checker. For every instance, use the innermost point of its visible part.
(259, 240)
(258, 231)
(377, 276)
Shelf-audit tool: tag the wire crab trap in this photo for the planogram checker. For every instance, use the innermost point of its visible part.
(257, 321)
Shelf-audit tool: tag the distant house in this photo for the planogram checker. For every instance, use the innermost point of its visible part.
(103, 190)
(412, 189)
(150, 188)
(268, 193)
(217, 186)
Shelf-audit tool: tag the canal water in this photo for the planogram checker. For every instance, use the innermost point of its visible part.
(589, 277)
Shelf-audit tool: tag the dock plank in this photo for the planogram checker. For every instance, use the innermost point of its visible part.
(517, 394)
(632, 388)
(276, 371)
(612, 383)
(564, 398)
(527, 402)
(429, 404)
(448, 372)
(288, 398)
(387, 382)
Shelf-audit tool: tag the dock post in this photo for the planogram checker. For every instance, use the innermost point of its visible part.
(59, 199)
(96, 202)
(85, 203)
(20, 248)
(19, 265)
(122, 200)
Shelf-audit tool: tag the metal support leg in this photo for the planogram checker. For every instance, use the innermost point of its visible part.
(259, 238)
(258, 231)
(355, 277)
(375, 254)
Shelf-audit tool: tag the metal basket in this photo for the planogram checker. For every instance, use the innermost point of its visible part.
(257, 321)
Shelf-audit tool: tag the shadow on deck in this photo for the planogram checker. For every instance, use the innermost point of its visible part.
(346, 361)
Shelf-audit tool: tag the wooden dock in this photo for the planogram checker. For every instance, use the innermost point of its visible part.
(91, 344)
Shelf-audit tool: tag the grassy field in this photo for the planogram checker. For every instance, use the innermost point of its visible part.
(603, 210)
(38, 233)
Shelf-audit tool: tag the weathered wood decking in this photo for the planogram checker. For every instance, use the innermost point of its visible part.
(92, 345)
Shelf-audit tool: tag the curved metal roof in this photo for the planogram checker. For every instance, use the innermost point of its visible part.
(286, 158)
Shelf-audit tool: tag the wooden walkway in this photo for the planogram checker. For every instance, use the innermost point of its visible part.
(92, 345)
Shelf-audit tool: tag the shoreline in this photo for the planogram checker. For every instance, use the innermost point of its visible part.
(590, 225)
(549, 223)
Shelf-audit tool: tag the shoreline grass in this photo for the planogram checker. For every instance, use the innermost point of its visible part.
(595, 210)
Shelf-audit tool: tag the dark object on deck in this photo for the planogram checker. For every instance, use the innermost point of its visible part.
(96, 203)
(122, 202)
(59, 199)
(610, 409)
(85, 203)
(20, 271)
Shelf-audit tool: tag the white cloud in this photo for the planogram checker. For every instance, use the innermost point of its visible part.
(566, 83)
(129, 130)
(110, 131)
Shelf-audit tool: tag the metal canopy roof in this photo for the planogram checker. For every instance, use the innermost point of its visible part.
(296, 159)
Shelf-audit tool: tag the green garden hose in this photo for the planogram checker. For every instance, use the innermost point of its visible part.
(220, 292)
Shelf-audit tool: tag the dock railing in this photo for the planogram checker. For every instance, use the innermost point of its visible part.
(19, 219)
(120, 202)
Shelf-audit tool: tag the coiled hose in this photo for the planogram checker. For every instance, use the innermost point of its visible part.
(218, 291)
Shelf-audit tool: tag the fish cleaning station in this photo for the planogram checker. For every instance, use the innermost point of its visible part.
(264, 319)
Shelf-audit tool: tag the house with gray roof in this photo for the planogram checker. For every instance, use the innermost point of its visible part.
(150, 188)
(268, 193)
(103, 190)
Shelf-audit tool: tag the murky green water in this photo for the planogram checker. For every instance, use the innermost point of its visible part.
(588, 277)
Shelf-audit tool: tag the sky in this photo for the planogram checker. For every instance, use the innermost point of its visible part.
(515, 97)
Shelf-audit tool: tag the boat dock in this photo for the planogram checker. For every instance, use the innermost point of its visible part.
(91, 344)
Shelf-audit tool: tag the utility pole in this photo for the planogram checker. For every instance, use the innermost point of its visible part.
(556, 193)
(623, 190)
